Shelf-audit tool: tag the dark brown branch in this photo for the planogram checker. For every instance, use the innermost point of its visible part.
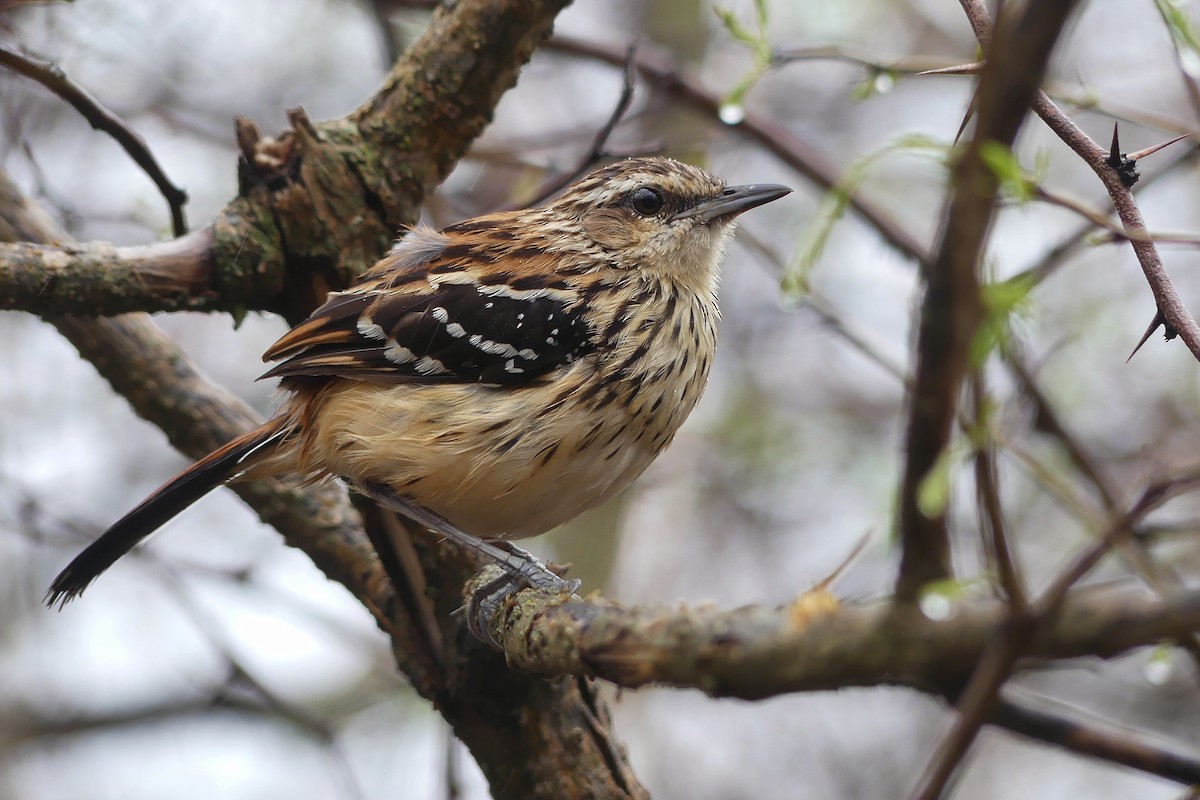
(991, 514)
(952, 308)
(1114, 746)
(1000, 655)
(51, 76)
(1169, 304)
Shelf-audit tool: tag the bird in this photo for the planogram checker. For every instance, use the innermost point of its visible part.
(497, 378)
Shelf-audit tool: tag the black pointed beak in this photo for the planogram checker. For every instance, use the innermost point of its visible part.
(733, 201)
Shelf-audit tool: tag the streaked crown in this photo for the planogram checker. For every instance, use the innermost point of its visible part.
(659, 216)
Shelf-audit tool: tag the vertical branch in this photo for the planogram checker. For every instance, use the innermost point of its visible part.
(952, 308)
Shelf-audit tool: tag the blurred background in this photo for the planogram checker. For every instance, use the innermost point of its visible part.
(219, 663)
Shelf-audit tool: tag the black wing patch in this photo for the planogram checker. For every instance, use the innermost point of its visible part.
(457, 333)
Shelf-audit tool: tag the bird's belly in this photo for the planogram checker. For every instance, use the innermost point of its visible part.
(496, 463)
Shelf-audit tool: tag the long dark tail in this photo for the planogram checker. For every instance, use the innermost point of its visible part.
(216, 468)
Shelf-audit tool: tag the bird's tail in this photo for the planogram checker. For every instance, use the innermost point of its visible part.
(215, 469)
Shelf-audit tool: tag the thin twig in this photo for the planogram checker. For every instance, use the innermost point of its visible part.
(596, 152)
(850, 55)
(1049, 421)
(1099, 220)
(51, 76)
(1151, 498)
(1030, 718)
(786, 146)
(987, 490)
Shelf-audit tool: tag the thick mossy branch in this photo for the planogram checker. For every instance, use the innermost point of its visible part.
(442, 93)
(813, 644)
(67, 278)
(319, 204)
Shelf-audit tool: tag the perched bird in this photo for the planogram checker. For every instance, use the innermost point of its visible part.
(498, 378)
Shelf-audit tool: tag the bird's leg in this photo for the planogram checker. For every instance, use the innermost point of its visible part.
(521, 567)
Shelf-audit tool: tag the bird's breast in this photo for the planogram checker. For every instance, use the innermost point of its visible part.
(517, 461)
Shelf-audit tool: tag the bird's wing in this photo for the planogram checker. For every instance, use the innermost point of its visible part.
(427, 314)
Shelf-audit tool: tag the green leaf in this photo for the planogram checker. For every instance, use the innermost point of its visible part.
(878, 81)
(1007, 169)
(933, 493)
(1001, 301)
(759, 43)
(951, 588)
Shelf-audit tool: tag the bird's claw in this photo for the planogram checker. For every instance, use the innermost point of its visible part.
(486, 601)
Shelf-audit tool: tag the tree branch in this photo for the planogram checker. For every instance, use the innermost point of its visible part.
(297, 193)
(98, 278)
(952, 308)
(1170, 306)
(101, 118)
(783, 144)
(813, 644)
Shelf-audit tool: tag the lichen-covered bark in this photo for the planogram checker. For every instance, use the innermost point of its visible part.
(316, 206)
(814, 643)
(319, 203)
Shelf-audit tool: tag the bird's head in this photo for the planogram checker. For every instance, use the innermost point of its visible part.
(659, 216)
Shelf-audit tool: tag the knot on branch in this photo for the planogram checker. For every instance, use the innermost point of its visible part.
(303, 204)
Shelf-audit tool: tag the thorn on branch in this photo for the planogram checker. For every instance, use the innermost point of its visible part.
(1150, 329)
(1125, 166)
(1140, 154)
(974, 68)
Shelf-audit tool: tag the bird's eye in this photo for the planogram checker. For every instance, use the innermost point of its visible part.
(646, 201)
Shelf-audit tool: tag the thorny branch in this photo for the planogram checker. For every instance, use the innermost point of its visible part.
(1013, 639)
(952, 307)
(1170, 307)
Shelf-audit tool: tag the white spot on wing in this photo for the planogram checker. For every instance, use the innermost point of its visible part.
(398, 353)
(501, 349)
(366, 327)
(429, 366)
